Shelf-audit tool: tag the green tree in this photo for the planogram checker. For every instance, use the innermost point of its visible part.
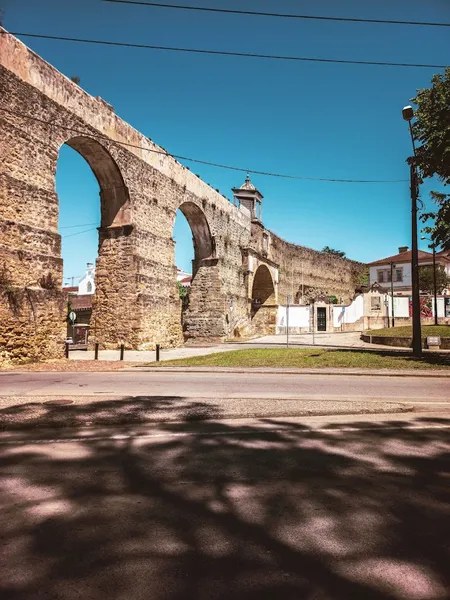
(182, 291)
(329, 250)
(426, 279)
(432, 131)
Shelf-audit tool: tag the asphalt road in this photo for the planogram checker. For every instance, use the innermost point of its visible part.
(313, 509)
(226, 385)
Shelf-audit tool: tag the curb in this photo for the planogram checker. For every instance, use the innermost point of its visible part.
(258, 371)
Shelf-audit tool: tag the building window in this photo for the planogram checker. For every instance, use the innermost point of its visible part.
(398, 274)
(89, 287)
(384, 276)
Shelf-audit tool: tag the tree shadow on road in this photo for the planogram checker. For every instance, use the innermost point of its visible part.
(223, 510)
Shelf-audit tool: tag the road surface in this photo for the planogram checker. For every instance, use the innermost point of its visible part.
(314, 509)
(226, 385)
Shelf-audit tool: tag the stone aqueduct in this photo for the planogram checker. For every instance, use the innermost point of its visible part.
(241, 270)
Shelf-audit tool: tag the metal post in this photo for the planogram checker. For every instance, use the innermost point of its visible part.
(157, 352)
(435, 286)
(392, 294)
(122, 350)
(66, 350)
(313, 319)
(287, 321)
(96, 351)
(416, 325)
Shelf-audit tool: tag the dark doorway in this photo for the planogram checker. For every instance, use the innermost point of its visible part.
(321, 318)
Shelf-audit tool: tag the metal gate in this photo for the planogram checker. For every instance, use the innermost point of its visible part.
(321, 318)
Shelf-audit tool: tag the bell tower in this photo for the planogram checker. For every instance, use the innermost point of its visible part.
(249, 199)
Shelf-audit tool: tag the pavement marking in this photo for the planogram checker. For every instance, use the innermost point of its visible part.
(123, 437)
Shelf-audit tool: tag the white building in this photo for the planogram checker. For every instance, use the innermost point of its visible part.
(86, 285)
(184, 278)
(399, 266)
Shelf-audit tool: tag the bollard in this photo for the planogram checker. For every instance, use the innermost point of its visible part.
(157, 352)
(122, 350)
(66, 351)
(96, 351)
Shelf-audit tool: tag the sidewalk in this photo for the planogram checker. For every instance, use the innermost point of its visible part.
(25, 412)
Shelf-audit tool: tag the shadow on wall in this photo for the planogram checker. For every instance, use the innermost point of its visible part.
(231, 512)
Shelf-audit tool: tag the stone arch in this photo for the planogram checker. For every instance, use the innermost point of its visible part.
(263, 302)
(201, 232)
(111, 291)
(263, 288)
(114, 197)
(203, 312)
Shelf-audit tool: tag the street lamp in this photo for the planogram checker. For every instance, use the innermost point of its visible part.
(433, 247)
(408, 114)
(392, 294)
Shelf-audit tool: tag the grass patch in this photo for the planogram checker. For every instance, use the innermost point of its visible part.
(406, 331)
(314, 358)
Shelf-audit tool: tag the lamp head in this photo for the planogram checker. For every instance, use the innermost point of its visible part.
(408, 113)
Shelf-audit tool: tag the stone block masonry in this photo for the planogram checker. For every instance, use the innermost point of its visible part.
(141, 187)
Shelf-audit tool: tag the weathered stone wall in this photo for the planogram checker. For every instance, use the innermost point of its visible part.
(320, 273)
(29, 330)
(141, 187)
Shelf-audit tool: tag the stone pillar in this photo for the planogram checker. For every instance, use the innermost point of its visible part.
(205, 316)
(115, 310)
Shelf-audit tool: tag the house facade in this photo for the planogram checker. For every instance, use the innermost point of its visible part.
(397, 269)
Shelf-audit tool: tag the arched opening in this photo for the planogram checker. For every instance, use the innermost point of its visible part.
(201, 316)
(263, 302)
(85, 171)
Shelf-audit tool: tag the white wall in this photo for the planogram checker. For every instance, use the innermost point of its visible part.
(348, 314)
(298, 317)
(401, 306)
(86, 284)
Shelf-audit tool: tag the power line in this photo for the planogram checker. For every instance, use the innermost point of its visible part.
(277, 15)
(80, 225)
(203, 162)
(227, 53)
(78, 233)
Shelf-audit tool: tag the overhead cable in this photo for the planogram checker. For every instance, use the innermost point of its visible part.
(196, 160)
(227, 53)
(278, 15)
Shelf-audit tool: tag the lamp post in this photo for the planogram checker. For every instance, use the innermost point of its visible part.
(433, 247)
(392, 294)
(408, 115)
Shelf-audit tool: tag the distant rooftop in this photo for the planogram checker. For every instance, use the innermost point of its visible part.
(402, 257)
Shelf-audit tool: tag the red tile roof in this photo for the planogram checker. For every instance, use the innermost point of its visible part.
(403, 257)
(83, 302)
(444, 254)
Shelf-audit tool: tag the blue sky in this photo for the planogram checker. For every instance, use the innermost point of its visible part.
(308, 119)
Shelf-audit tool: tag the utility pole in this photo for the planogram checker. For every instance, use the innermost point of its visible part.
(435, 286)
(408, 114)
(392, 294)
(433, 247)
(416, 325)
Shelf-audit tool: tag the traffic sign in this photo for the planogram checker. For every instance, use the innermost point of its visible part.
(72, 316)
